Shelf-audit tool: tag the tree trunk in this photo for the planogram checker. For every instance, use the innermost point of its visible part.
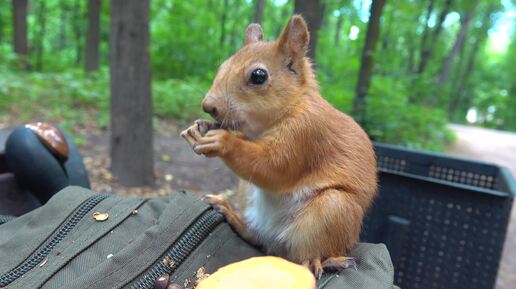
(235, 40)
(131, 101)
(312, 11)
(77, 31)
(93, 36)
(40, 35)
(426, 30)
(20, 8)
(426, 52)
(284, 14)
(20, 43)
(258, 11)
(61, 44)
(461, 84)
(411, 46)
(457, 47)
(386, 36)
(338, 27)
(367, 62)
(1, 28)
(223, 23)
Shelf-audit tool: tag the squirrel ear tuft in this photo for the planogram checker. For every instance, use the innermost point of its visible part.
(253, 33)
(294, 39)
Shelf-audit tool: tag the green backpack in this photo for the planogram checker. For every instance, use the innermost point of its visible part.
(82, 239)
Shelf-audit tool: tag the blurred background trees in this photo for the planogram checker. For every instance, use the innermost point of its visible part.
(131, 138)
(435, 61)
(313, 12)
(91, 62)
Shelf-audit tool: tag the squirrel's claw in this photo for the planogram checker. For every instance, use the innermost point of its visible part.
(218, 202)
(214, 143)
(206, 125)
(339, 263)
(330, 264)
(191, 134)
(189, 139)
(314, 266)
(318, 268)
(196, 132)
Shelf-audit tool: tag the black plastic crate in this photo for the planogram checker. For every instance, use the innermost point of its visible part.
(443, 219)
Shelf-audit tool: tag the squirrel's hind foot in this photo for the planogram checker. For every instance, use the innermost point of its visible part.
(339, 263)
(221, 205)
(330, 264)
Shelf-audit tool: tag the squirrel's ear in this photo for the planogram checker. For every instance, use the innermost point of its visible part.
(253, 33)
(294, 39)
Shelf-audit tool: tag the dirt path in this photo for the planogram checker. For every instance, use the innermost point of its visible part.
(500, 148)
(176, 166)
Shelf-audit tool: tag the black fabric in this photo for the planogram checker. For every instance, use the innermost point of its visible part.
(37, 170)
(15, 201)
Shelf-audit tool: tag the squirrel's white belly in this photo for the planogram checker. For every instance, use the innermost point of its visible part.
(269, 217)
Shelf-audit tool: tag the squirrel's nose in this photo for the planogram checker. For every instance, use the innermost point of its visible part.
(212, 110)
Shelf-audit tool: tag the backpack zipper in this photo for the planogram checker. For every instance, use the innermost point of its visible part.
(5, 218)
(45, 249)
(179, 251)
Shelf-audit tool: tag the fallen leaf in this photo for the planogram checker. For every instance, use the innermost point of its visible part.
(107, 176)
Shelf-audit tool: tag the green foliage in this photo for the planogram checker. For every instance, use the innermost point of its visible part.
(496, 104)
(177, 51)
(396, 112)
(71, 97)
(54, 96)
(180, 99)
(391, 118)
(189, 39)
(192, 38)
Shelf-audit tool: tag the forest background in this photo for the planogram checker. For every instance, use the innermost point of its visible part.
(435, 61)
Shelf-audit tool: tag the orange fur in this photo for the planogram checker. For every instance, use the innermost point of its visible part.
(290, 143)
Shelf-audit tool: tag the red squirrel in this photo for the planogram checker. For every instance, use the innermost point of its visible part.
(311, 168)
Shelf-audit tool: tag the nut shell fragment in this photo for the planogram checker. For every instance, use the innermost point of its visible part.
(100, 217)
(167, 261)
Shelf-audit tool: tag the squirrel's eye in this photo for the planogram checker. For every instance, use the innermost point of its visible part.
(258, 76)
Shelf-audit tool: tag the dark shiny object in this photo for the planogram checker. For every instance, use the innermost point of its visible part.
(52, 138)
(162, 282)
(258, 76)
(37, 169)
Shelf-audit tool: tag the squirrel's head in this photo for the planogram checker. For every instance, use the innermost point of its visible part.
(263, 81)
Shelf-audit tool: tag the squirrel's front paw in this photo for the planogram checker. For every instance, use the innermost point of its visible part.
(196, 131)
(192, 134)
(215, 143)
(205, 125)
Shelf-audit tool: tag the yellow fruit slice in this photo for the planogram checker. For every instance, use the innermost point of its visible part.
(259, 273)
